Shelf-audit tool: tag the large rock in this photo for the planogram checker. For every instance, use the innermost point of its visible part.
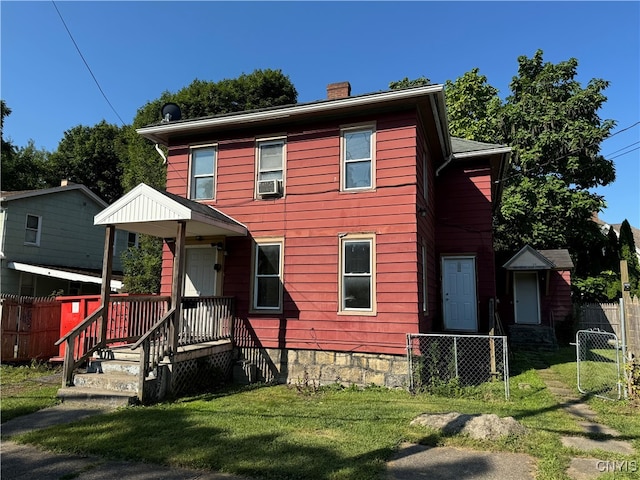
(480, 427)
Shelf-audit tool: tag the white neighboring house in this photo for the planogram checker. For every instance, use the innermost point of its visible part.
(49, 244)
(604, 226)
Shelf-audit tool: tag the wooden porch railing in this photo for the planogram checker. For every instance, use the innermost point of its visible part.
(204, 319)
(128, 318)
(147, 321)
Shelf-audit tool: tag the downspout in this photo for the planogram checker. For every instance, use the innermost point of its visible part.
(159, 150)
(446, 162)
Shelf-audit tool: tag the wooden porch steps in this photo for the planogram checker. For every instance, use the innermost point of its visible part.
(110, 378)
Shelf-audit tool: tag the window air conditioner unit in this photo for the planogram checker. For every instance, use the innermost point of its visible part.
(269, 187)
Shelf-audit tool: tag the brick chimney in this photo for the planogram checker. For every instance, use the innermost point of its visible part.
(338, 90)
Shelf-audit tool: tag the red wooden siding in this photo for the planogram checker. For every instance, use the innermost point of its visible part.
(310, 217)
(464, 225)
(556, 301)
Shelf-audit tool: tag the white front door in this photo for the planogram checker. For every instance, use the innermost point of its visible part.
(459, 293)
(200, 274)
(526, 297)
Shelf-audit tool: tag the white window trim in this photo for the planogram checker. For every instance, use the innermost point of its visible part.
(38, 230)
(254, 275)
(192, 148)
(265, 141)
(343, 161)
(357, 237)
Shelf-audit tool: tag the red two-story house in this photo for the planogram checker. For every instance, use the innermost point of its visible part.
(342, 226)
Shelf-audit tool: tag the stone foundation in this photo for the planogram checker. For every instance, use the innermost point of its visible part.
(321, 367)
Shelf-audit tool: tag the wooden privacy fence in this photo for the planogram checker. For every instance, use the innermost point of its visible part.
(30, 328)
(603, 316)
(632, 320)
(606, 317)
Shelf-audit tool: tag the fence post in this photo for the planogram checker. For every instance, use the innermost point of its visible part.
(623, 332)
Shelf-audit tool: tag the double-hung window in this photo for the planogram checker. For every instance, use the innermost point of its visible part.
(33, 229)
(267, 279)
(357, 275)
(203, 168)
(357, 158)
(271, 154)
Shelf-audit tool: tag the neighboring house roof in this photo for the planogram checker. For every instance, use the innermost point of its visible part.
(528, 258)
(7, 196)
(71, 274)
(147, 210)
(616, 228)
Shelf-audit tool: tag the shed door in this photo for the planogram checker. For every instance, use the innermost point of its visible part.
(200, 274)
(526, 297)
(459, 293)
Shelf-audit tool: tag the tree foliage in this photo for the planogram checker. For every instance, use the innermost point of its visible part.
(93, 156)
(627, 250)
(22, 167)
(473, 107)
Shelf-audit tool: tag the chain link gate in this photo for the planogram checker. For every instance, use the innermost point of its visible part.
(438, 361)
(598, 364)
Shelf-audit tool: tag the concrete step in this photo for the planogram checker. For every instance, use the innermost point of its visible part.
(117, 382)
(120, 353)
(126, 367)
(96, 396)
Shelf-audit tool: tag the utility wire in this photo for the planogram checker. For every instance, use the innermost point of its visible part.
(623, 148)
(85, 63)
(624, 153)
(548, 162)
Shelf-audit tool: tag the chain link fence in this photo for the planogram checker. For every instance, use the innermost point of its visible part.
(444, 363)
(598, 364)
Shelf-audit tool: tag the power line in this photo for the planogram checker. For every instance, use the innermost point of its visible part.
(621, 149)
(86, 64)
(623, 130)
(621, 154)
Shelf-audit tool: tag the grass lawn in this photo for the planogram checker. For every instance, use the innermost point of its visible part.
(26, 389)
(283, 432)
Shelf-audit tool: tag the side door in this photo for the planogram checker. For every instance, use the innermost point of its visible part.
(459, 297)
(526, 298)
(200, 275)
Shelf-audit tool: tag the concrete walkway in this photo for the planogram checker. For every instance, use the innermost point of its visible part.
(598, 437)
(25, 462)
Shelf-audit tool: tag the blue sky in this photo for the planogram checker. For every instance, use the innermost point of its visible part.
(137, 50)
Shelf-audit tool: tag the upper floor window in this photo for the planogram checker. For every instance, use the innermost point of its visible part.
(203, 167)
(271, 154)
(357, 158)
(357, 274)
(132, 239)
(267, 279)
(33, 229)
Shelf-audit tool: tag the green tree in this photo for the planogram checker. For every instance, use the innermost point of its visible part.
(473, 108)
(406, 83)
(627, 249)
(22, 168)
(93, 156)
(553, 127)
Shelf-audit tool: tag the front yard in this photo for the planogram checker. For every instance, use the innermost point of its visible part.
(301, 432)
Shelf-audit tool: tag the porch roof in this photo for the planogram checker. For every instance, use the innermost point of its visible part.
(528, 258)
(153, 212)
